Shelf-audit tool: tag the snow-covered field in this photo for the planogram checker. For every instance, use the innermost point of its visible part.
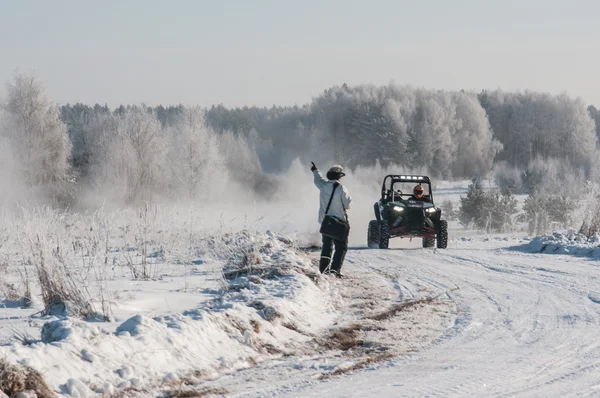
(245, 313)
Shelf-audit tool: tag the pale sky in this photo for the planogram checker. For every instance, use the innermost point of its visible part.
(284, 52)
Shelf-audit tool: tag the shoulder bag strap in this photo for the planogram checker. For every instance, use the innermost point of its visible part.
(331, 198)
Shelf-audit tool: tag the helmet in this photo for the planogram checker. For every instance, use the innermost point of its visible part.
(335, 172)
(418, 191)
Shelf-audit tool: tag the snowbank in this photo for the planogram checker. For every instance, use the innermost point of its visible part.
(566, 243)
(268, 305)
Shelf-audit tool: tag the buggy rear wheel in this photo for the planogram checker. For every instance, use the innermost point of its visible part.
(373, 234)
(384, 235)
(442, 236)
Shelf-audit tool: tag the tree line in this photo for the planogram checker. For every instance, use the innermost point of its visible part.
(137, 150)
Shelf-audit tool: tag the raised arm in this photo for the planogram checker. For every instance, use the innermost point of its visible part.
(320, 182)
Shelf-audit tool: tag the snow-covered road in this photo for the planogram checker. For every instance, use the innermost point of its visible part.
(523, 325)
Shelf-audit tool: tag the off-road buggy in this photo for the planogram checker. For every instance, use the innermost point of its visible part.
(401, 215)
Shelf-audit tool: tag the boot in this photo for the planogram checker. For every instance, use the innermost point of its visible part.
(323, 264)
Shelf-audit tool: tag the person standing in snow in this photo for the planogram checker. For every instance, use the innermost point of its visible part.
(334, 201)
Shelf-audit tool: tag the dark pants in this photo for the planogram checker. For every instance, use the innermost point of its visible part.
(341, 247)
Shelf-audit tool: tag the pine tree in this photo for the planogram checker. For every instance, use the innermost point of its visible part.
(490, 211)
(504, 207)
(471, 206)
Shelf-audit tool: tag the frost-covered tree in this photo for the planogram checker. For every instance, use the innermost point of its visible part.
(543, 210)
(194, 153)
(508, 177)
(538, 125)
(36, 132)
(432, 131)
(552, 177)
(498, 212)
(490, 211)
(131, 155)
(83, 124)
(476, 146)
(371, 134)
(590, 217)
(595, 115)
(447, 133)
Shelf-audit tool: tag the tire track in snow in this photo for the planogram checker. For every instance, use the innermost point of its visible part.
(534, 316)
(526, 325)
(476, 329)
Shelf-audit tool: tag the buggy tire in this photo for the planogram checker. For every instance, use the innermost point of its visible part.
(428, 242)
(384, 234)
(373, 234)
(442, 236)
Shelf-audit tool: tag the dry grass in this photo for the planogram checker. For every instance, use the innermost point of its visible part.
(345, 338)
(400, 307)
(356, 366)
(193, 378)
(271, 349)
(291, 326)
(255, 325)
(194, 393)
(251, 361)
(237, 324)
(265, 272)
(58, 284)
(183, 381)
(23, 337)
(407, 304)
(9, 291)
(16, 378)
(129, 392)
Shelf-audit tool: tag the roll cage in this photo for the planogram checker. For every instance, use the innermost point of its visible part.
(387, 188)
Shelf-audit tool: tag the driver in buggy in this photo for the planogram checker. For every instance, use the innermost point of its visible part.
(419, 194)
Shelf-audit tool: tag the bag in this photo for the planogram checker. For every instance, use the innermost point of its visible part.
(334, 227)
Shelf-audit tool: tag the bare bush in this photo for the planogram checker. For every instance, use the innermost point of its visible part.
(6, 289)
(590, 224)
(9, 291)
(146, 221)
(25, 297)
(545, 210)
(19, 378)
(63, 288)
(59, 289)
(93, 250)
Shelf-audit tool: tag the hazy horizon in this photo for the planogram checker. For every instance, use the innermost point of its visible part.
(269, 52)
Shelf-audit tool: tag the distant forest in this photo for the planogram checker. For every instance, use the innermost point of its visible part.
(452, 134)
(137, 150)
